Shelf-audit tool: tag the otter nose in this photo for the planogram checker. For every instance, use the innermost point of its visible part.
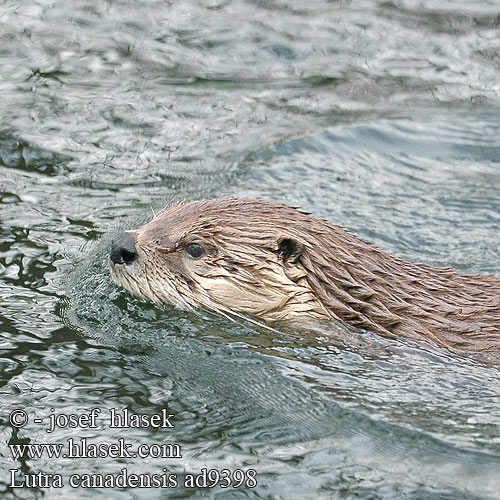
(123, 249)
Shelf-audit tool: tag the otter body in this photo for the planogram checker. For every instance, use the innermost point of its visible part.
(278, 263)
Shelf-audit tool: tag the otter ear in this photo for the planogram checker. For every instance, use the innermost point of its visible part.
(290, 249)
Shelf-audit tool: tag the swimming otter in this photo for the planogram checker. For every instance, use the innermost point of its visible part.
(278, 263)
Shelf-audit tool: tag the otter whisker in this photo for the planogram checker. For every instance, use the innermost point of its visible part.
(167, 249)
(227, 313)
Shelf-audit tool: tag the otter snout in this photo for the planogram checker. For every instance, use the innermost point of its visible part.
(123, 249)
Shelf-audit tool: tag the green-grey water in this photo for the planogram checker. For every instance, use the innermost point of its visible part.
(378, 116)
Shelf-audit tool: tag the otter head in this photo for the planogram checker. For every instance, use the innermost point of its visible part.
(226, 255)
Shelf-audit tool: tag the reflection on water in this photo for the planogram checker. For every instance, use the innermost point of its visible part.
(379, 116)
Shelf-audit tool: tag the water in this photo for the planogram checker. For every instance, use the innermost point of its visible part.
(379, 116)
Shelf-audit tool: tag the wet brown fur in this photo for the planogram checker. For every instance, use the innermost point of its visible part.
(276, 262)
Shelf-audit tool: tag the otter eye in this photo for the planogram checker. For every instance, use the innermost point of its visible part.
(195, 250)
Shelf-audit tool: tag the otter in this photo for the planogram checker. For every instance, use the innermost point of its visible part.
(275, 262)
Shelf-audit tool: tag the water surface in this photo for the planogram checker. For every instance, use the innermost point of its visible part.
(378, 116)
